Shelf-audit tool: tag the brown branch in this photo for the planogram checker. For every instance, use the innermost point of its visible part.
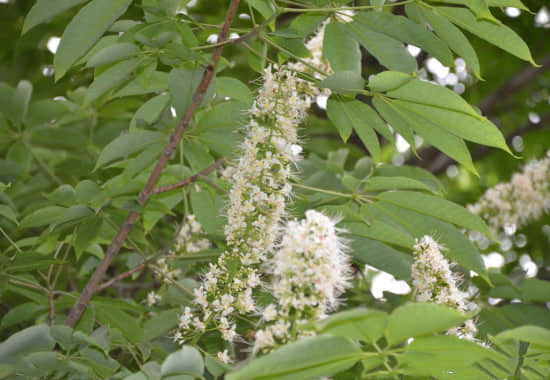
(52, 308)
(147, 191)
(190, 180)
(434, 160)
(126, 274)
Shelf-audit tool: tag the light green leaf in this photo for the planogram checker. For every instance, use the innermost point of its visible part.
(21, 313)
(418, 319)
(308, 358)
(388, 51)
(113, 53)
(128, 144)
(42, 216)
(413, 172)
(160, 324)
(449, 33)
(8, 213)
(44, 10)
(355, 115)
(535, 290)
(437, 207)
(20, 102)
(401, 121)
(234, 89)
(187, 360)
(497, 34)
(358, 324)
(207, 210)
(402, 29)
(530, 334)
(345, 82)
(145, 83)
(507, 3)
(111, 78)
(84, 30)
(342, 52)
(377, 183)
(114, 317)
(479, 7)
(388, 80)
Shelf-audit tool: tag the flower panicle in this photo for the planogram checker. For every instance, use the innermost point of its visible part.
(310, 271)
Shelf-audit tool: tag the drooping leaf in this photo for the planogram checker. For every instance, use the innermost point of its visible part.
(497, 34)
(186, 361)
(112, 77)
(113, 53)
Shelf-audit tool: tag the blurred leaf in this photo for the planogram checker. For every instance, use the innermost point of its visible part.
(187, 360)
(44, 10)
(128, 144)
(341, 51)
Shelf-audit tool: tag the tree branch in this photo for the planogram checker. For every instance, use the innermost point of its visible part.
(126, 274)
(147, 191)
(189, 180)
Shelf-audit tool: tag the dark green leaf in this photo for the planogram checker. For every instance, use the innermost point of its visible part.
(44, 10)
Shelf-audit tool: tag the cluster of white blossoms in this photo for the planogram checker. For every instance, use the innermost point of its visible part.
(310, 270)
(257, 200)
(191, 238)
(433, 281)
(509, 206)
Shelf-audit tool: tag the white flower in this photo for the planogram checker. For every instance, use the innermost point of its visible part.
(224, 357)
(152, 298)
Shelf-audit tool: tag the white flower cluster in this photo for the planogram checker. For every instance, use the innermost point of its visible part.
(310, 271)
(433, 281)
(190, 237)
(511, 205)
(260, 188)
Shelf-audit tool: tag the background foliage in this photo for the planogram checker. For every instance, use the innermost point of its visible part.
(81, 129)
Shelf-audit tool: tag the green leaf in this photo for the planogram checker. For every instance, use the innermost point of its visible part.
(73, 214)
(381, 231)
(21, 313)
(479, 7)
(188, 360)
(113, 317)
(530, 334)
(535, 290)
(44, 10)
(20, 102)
(388, 80)
(381, 256)
(355, 115)
(449, 33)
(402, 121)
(160, 324)
(359, 324)
(183, 83)
(31, 339)
(43, 216)
(345, 82)
(378, 183)
(151, 110)
(402, 29)
(128, 144)
(414, 172)
(507, 3)
(207, 210)
(437, 207)
(84, 30)
(113, 53)
(497, 34)
(341, 51)
(418, 319)
(8, 213)
(308, 358)
(234, 89)
(457, 246)
(112, 77)
(85, 234)
(388, 51)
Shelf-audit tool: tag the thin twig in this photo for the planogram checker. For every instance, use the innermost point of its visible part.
(190, 180)
(213, 184)
(147, 191)
(126, 274)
